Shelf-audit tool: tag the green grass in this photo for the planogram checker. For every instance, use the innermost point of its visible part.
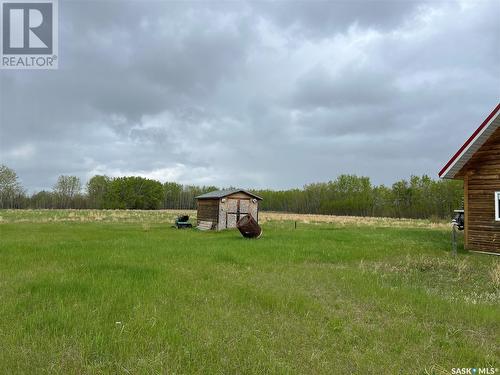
(134, 298)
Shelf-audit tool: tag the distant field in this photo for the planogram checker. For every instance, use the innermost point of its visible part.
(123, 292)
(168, 216)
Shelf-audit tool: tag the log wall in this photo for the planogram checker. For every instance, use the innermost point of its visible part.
(208, 210)
(481, 181)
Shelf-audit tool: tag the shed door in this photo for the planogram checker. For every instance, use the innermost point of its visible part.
(231, 220)
(244, 206)
(236, 208)
(232, 205)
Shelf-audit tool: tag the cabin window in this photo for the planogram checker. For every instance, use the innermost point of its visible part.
(497, 206)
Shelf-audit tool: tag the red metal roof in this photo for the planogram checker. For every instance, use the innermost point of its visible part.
(461, 155)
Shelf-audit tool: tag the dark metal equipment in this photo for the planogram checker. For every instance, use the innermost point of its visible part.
(248, 227)
(458, 222)
(182, 222)
(459, 219)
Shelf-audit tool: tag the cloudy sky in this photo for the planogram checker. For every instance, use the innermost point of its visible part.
(253, 94)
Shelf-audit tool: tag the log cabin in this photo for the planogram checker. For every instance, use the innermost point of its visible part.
(477, 163)
(223, 208)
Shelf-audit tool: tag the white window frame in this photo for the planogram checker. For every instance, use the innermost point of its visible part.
(497, 206)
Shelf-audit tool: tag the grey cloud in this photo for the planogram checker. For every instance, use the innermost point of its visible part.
(253, 94)
(354, 86)
(325, 18)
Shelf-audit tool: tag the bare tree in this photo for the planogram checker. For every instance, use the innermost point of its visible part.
(67, 188)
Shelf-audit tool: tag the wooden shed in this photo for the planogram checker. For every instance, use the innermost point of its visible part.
(225, 207)
(477, 163)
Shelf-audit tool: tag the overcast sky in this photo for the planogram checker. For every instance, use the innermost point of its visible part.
(253, 94)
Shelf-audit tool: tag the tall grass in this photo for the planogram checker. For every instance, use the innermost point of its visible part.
(135, 296)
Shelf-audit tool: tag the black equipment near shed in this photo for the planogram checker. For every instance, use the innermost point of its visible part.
(459, 219)
(182, 222)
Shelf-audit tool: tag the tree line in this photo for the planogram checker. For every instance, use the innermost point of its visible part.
(418, 197)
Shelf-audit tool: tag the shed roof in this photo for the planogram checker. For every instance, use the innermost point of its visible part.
(469, 148)
(217, 194)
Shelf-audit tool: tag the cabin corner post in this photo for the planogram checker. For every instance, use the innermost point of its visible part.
(466, 211)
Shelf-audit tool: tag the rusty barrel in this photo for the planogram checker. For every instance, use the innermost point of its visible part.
(248, 227)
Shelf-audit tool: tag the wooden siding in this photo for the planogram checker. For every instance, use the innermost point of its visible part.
(466, 210)
(208, 210)
(481, 180)
(239, 195)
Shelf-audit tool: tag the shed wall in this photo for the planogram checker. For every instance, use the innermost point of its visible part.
(208, 210)
(481, 181)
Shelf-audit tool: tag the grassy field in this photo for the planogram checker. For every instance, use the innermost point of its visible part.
(123, 292)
